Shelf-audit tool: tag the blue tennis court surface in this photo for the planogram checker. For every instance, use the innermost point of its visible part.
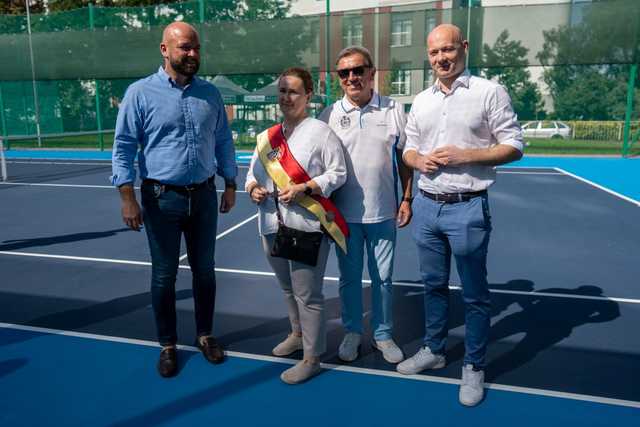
(77, 338)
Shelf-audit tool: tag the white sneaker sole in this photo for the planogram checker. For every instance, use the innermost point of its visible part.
(439, 365)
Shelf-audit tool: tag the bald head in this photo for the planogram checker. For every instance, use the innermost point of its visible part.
(449, 32)
(180, 48)
(447, 52)
(176, 30)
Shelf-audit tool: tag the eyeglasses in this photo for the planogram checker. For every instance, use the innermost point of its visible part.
(357, 71)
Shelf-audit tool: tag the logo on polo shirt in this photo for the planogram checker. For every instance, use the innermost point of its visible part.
(345, 122)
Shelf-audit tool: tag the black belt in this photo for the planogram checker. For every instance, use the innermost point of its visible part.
(453, 197)
(179, 188)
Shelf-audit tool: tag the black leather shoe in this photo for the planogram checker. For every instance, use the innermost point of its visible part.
(168, 362)
(211, 350)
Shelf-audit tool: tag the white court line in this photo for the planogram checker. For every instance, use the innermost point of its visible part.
(22, 162)
(600, 187)
(527, 173)
(224, 233)
(327, 278)
(329, 366)
(38, 184)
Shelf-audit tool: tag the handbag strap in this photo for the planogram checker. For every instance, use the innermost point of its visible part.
(275, 199)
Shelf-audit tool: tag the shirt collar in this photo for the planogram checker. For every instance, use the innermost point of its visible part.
(166, 78)
(348, 107)
(462, 80)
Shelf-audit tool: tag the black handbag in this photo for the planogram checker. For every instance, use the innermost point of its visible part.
(295, 245)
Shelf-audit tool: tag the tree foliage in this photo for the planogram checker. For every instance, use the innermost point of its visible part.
(506, 61)
(587, 63)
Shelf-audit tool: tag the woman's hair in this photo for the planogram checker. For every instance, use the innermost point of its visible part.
(302, 74)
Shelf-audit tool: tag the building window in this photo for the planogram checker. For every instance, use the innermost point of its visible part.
(401, 30)
(430, 23)
(401, 79)
(428, 75)
(352, 31)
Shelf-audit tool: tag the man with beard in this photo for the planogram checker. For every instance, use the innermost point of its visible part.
(180, 125)
(457, 131)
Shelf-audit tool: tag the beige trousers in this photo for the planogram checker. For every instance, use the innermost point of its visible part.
(302, 286)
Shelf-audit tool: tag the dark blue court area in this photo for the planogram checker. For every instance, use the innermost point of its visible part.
(77, 339)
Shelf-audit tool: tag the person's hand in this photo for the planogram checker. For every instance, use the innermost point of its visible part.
(291, 193)
(258, 194)
(430, 163)
(404, 214)
(452, 155)
(228, 199)
(131, 214)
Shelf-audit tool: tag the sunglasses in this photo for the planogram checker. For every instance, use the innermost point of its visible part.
(357, 71)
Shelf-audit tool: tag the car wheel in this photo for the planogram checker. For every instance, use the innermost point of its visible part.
(556, 136)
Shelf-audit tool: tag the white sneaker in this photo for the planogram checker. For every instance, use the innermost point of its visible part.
(290, 345)
(420, 361)
(300, 372)
(472, 386)
(348, 351)
(390, 351)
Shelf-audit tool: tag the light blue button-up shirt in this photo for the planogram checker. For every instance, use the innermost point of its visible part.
(182, 132)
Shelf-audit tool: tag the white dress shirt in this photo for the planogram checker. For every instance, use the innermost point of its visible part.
(477, 113)
(370, 136)
(318, 150)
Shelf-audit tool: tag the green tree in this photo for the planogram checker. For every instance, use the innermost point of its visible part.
(587, 62)
(507, 62)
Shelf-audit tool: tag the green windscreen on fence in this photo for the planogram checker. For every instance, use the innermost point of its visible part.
(566, 64)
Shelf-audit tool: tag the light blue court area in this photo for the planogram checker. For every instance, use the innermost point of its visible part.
(92, 381)
(616, 174)
(241, 157)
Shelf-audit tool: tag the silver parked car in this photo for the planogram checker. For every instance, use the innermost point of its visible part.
(546, 129)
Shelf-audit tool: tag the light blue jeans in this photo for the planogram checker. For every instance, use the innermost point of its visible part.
(462, 230)
(379, 241)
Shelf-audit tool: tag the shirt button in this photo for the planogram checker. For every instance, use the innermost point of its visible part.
(444, 113)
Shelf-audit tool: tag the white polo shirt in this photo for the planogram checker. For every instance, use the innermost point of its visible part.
(477, 113)
(370, 136)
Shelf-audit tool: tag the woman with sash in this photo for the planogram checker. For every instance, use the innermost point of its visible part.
(295, 168)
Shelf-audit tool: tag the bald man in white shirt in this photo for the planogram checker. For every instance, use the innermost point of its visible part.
(371, 128)
(457, 131)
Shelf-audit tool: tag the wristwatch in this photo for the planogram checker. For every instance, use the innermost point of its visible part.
(307, 190)
(230, 183)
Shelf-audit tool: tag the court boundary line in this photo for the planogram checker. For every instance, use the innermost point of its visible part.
(326, 278)
(227, 231)
(334, 367)
(599, 187)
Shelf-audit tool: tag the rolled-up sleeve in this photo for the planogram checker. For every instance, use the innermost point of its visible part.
(503, 121)
(225, 151)
(335, 173)
(128, 135)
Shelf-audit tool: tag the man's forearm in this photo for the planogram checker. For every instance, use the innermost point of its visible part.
(127, 193)
(493, 156)
(406, 175)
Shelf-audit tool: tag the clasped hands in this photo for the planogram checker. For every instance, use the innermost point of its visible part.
(291, 193)
(449, 155)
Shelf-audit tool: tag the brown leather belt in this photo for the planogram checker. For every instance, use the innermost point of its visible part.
(453, 197)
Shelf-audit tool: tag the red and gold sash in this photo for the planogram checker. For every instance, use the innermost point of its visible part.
(284, 170)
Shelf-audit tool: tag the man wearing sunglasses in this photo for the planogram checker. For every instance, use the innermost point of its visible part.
(457, 131)
(371, 128)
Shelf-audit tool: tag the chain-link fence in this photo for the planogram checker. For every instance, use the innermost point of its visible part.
(570, 68)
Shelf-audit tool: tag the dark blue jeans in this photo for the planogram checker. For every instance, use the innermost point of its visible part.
(462, 230)
(167, 215)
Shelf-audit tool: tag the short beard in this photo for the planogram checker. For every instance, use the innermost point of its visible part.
(181, 67)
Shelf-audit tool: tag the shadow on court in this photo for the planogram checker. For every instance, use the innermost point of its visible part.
(12, 245)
